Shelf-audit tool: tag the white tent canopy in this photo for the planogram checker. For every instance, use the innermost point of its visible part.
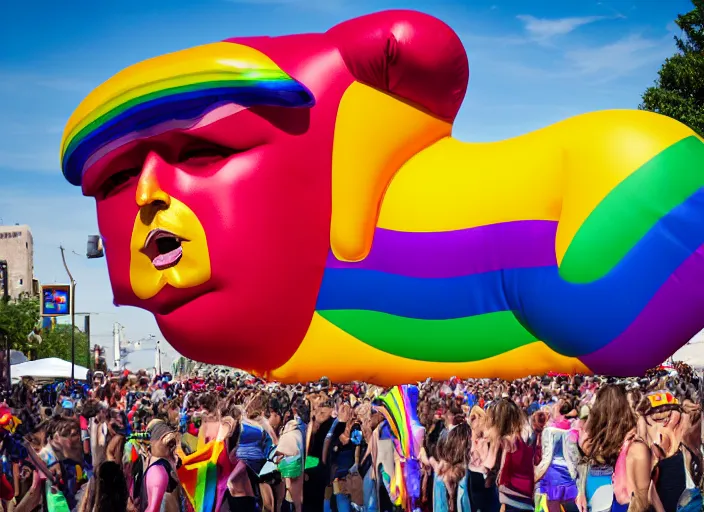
(49, 368)
(691, 354)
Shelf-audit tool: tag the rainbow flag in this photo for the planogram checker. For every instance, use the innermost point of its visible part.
(399, 406)
(204, 474)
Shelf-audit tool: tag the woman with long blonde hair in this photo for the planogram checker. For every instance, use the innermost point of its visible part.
(482, 490)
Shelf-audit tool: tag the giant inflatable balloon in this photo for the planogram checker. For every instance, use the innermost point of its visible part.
(297, 206)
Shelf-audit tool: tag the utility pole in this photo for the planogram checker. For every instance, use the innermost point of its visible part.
(7, 384)
(73, 317)
(86, 330)
(158, 358)
(116, 344)
(6, 346)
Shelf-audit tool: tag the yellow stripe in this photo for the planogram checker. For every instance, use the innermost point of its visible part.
(324, 342)
(560, 172)
(456, 185)
(128, 83)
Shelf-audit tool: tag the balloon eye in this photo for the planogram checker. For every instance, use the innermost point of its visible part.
(118, 180)
(204, 154)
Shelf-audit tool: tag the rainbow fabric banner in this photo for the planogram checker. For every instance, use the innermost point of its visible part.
(204, 474)
(399, 406)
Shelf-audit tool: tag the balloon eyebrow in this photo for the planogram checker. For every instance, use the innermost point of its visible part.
(149, 100)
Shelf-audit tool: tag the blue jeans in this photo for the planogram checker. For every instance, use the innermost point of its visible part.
(371, 497)
(463, 502)
(440, 501)
(344, 503)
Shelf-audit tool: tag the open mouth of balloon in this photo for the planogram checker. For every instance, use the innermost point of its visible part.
(163, 248)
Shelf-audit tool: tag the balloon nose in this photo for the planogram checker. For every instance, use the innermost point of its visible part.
(149, 191)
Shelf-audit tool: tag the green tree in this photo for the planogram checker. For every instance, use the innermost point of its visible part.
(57, 343)
(17, 319)
(679, 90)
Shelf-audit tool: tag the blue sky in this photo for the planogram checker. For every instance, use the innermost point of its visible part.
(532, 63)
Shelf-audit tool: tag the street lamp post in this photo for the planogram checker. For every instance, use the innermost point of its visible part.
(73, 316)
(158, 358)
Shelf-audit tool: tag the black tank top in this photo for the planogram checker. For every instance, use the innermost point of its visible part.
(671, 480)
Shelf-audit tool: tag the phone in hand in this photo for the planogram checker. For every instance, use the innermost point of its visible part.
(38, 463)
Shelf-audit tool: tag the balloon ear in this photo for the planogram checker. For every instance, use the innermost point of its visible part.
(409, 54)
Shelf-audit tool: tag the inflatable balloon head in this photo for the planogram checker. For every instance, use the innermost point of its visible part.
(296, 206)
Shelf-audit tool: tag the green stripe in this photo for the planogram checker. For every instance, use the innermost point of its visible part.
(239, 82)
(444, 341)
(632, 208)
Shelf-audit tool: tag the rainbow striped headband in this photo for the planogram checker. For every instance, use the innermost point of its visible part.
(172, 91)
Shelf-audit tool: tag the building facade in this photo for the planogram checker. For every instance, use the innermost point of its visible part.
(17, 249)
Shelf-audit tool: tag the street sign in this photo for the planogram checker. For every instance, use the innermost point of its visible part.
(56, 300)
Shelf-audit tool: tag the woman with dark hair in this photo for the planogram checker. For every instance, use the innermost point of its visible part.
(677, 471)
(452, 417)
(615, 473)
(160, 488)
(315, 480)
(454, 458)
(512, 455)
(434, 425)
(107, 490)
(210, 419)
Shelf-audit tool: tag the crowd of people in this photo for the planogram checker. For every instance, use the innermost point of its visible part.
(551, 444)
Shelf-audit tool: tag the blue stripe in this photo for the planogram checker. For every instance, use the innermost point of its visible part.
(413, 297)
(211, 482)
(190, 105)
(572, 318)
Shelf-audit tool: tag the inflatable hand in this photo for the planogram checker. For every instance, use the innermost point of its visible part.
(296, 206)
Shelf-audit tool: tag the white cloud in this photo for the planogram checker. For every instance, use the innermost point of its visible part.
(263, 2)
(10, 128)
(619, 58)
(543, 29)
(674, 30)
(39, 161)
(21, 80)
(311, 5)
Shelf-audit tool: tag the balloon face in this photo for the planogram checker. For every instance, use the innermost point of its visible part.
(201, 215)
(296, 206)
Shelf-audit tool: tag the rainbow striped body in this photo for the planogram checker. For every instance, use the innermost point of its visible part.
(613, 287)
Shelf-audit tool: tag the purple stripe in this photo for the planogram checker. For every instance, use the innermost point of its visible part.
(671, 318)
(519, 244)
